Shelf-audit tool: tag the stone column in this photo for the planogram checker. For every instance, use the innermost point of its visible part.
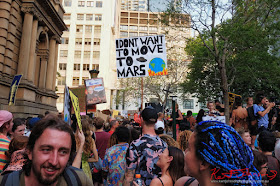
(4, 24)
(43, 72)
(25, 45)
(50, 68)
(55, 66)
(32, 53)
(37, 71)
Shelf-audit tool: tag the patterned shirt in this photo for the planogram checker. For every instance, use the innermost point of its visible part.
(143, 155)
(4, 146)
(114, 163)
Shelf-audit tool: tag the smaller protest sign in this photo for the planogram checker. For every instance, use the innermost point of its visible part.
(75, 103)
(95, 91)
(231, 97)
(13, 89)
(212, 118)
(67, 116)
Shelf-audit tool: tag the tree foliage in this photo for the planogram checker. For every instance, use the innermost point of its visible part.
(235, 50)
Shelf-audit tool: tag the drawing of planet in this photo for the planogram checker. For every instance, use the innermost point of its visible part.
(157, 65)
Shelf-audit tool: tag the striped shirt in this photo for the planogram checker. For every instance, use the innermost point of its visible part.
(4, 146)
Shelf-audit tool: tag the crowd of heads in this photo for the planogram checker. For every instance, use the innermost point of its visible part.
(208, 151)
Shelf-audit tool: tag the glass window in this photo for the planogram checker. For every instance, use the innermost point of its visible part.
(143, 34)
(64, 40)
(124, 34)
(79, 28)
(75, 81)
(143, 28)
(83, 80)
(86, 54)
(135, 28)
(98, 4)
(63, 53)
(95, 66)
(90, 3)
(78, 41)
(202, 105)
(85, 66)
(153, 29)
(132, 34)
(87, 41)
(67, 3)
(66, 16)
(89, 17)
(96, 54)
(80, 16)
(123, 27)
(68, 28)
(98, 17)
(97, 29)
(77, 54)
(81, 4)
(96, 41)
(88, 28)
(188, 104)
(76, 66)
(61, 80)
(62, 66)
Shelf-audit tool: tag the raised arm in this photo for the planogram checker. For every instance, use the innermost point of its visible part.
(78, 158)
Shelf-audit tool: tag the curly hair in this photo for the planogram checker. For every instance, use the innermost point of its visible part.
(169, 140)
(17, 143)
(223, 148)
(88, 146)
(184, 137)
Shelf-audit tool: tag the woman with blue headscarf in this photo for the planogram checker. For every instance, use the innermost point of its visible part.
(217, 155)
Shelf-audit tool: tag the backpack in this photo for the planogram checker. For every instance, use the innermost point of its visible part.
(69, 174)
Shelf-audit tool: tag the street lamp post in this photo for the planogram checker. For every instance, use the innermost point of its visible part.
(174, 117)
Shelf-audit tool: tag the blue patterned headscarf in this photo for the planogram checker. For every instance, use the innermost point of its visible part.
(223, 148)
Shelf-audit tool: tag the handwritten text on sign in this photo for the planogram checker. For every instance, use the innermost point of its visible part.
(141, 56)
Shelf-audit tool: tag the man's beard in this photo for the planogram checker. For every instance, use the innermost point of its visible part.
(45, 181)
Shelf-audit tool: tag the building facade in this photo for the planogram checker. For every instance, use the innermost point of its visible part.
(134, 5)
(88, 44)
(30, 32)
(139, 23)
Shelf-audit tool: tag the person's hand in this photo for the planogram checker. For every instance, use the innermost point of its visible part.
(81, 137)
(271, 104)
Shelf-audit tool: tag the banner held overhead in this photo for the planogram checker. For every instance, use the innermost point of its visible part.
(141, 56)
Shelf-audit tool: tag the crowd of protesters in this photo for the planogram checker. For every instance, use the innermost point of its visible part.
(44, 150)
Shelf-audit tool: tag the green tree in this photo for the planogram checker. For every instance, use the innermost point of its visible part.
(235, 48)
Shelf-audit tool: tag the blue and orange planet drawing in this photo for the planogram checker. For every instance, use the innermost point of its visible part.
(157, 67)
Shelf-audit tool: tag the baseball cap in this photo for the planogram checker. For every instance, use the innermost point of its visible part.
(159, 124)
(5, 116)
(149, 114)
(32, 122)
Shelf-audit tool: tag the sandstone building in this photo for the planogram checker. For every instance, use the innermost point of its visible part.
(30, 31)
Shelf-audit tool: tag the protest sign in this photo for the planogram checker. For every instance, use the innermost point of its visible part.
(75, 103)
(95, 91)
(13, 89)
(231, 97)
(67, 116)
(212, 118)
(141, 56)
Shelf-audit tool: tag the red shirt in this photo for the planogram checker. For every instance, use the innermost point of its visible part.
(102, 140)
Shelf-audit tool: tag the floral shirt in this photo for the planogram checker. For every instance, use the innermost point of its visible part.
(143, 155)
(114, 163)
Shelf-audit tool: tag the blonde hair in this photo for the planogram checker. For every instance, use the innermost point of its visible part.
(169, 140)
(184, 137)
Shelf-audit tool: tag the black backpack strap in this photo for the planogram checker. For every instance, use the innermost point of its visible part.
(71, 177)
(189, 181)
(11, 179)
